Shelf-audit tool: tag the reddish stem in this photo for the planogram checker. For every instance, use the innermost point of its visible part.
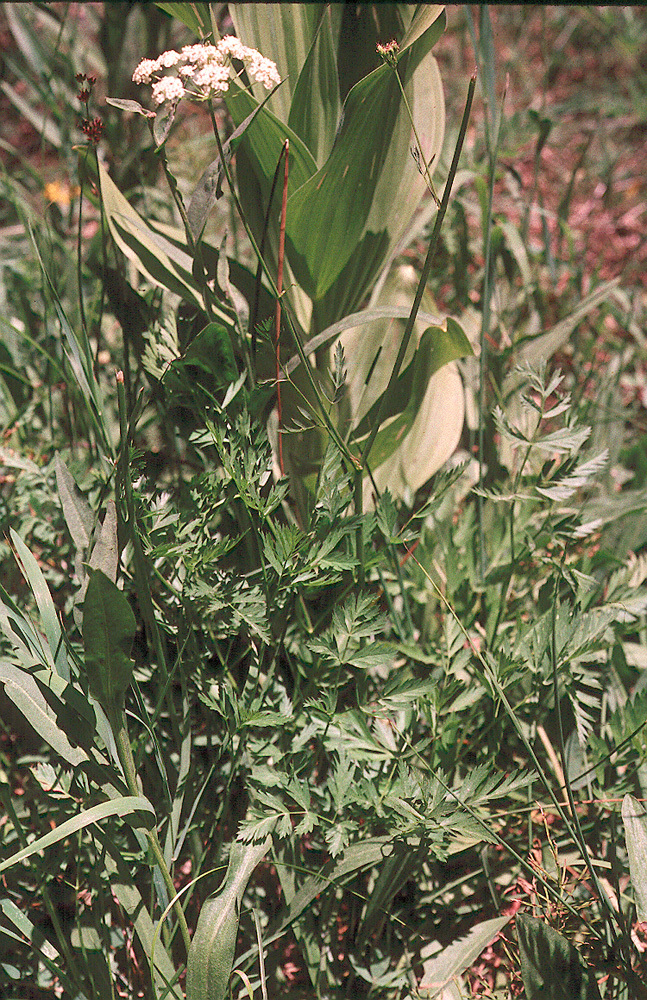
(279, 285)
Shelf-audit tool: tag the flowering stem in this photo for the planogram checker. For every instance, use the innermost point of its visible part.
(194, 246)
(425, 173)
(259, 269)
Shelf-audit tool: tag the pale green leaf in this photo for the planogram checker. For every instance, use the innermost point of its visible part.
(152, 254)
(453, 960)
(48, 617)
(125, 805)
(24, 692)
(211, 955)
(634, 817)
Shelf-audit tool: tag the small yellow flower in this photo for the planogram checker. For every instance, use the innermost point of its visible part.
(60, 193)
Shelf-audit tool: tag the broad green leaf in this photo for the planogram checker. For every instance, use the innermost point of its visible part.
(125, 805)
(349, 214)
(152, 254)
(108, 631)
(315, 111)
(453, 960)
(48, 617)
(424, 17)
(634, 817)
(438, 346)
(283, 33)
(263, 141)
(551, 968)
(353, 321)
(208, 188)
(186, 13)
(211, 955)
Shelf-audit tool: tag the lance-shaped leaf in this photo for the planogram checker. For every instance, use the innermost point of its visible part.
(551, 968)
(634, 817)
(108, 631)
(353, 210)
(153, 255)
(21, 687)
(438, 346)
(283, 33)
(439, 970)
(48, 617)
(211, 955)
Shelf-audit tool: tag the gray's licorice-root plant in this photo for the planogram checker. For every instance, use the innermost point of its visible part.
(260, 699)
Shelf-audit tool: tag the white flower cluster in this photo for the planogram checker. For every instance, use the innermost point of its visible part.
(204, 70)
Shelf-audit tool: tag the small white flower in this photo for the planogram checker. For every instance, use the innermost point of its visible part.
(264, 71)
(203, 70)
(199, 55)
(169, 88)
(145, 71)
(233, 48)
(211, 80)
(168, 59)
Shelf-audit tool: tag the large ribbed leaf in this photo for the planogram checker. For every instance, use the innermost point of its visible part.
(344, 220)
(359, 203)
(284, 33)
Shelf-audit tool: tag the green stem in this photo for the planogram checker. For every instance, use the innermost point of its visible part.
(194, 246)
(431, 253)
(117, 719)
(485, 327)
(142, 578)
(350, 459)
(425, 173)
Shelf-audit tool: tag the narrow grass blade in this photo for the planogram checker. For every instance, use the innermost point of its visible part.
(125, 805)
(48, 617)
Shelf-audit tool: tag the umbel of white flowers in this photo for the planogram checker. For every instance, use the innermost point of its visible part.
(203, 70)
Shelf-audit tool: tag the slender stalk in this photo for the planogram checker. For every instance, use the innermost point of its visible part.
(259, 269)
(142, 575)
(117, 719)
(485, 327)
(351, 460)
(279, 288)
(431, 253)
(425, 173)
(193, 244)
